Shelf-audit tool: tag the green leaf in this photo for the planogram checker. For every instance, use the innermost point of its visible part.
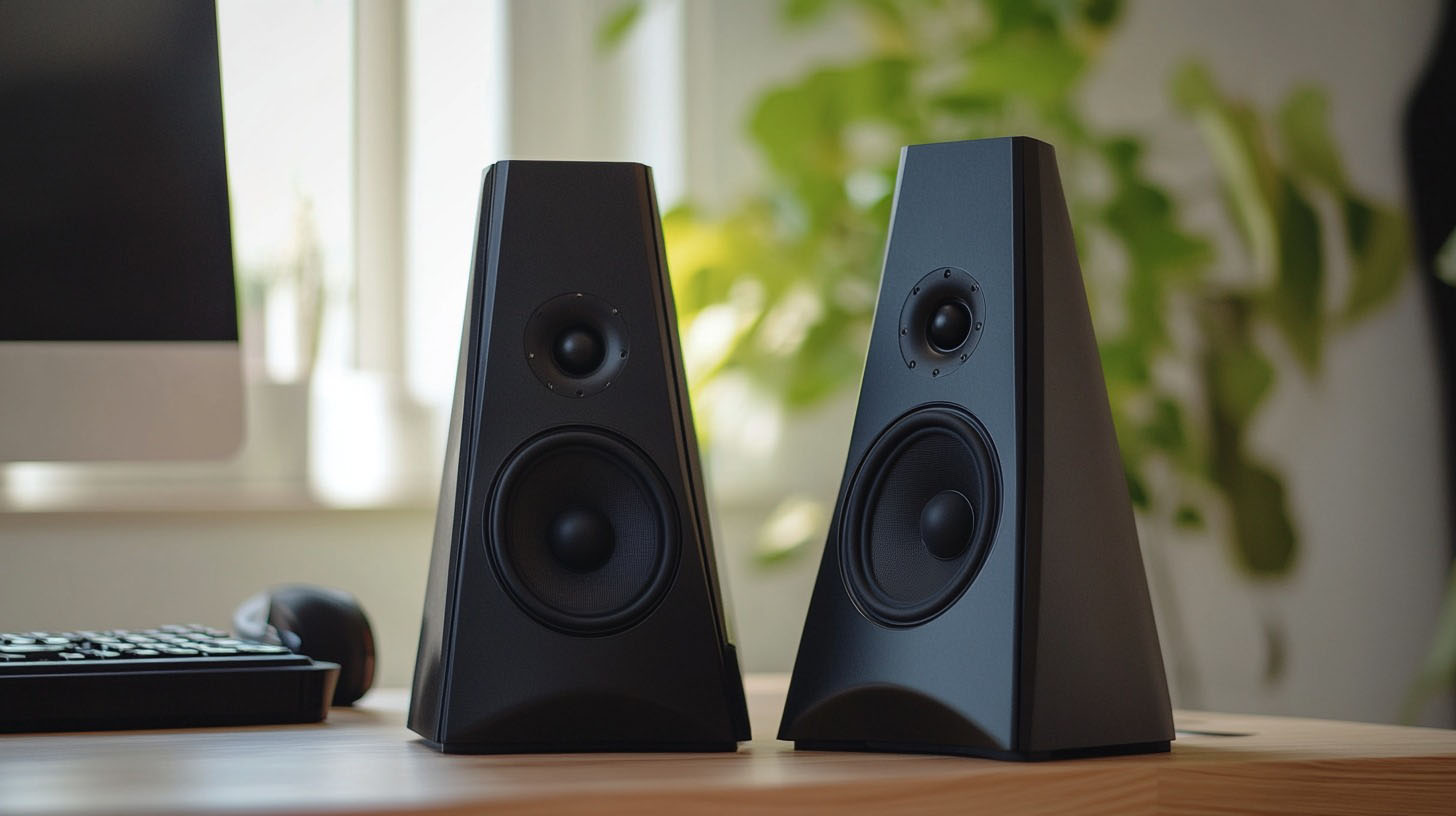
(1123, 360)
(1303, 124)
(1101, 13)
(1380, 252)
(1438, 672)
(1446, 260)
(800, 12)
(1137, 490)
(1188, 517)
(617, 25)
(1164, 430)
(1241, 376)
(1250, 179)
(1263, 535)
(1038, 66)
(1296, 301)
(1193, 88)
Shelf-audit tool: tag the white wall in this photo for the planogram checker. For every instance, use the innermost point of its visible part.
(62, 571)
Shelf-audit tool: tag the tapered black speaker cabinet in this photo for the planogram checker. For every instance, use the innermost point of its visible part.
(573, 601)
(981, 591)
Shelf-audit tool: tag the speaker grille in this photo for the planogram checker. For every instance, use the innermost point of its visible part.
(925, 460)
(564, 475)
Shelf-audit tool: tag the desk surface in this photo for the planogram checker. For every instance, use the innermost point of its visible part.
(363, 760)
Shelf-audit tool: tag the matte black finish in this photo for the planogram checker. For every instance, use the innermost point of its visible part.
(947, 523)
(170, 677)
(561, 245)
(1051, 651)
(114, 217)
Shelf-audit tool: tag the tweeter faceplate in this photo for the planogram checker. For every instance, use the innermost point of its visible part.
(557, 329)
(941, 322)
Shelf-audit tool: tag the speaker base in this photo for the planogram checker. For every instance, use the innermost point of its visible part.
(583, 748)
(1156, 747)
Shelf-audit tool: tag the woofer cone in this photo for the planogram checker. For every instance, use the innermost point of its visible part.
(919, 516)
(582, 531)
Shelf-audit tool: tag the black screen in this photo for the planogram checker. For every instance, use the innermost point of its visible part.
(113, 184)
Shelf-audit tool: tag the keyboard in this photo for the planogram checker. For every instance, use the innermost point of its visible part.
(168, 677)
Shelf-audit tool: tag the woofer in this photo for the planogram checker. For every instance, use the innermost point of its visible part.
(919, 515)
(583, 531)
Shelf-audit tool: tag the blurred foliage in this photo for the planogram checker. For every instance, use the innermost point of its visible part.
(1438, 673)
(1446, 260)
(781, 289)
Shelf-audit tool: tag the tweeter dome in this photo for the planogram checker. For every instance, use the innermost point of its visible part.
(573, 600)
(982, 590)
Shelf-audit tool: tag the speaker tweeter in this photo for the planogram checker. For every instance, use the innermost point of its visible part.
(941, 322)
(577, 344)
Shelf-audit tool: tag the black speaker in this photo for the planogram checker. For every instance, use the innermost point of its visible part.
(573, 601)
(981, 591)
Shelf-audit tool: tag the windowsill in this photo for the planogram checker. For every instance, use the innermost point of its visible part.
(101, 495)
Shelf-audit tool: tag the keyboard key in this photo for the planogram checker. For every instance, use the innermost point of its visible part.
(33, 648)
(261, 648)
(71, 656)
(145, 653)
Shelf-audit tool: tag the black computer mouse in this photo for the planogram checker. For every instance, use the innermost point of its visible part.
(324, 624)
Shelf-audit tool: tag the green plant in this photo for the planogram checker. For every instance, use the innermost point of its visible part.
(786, 280)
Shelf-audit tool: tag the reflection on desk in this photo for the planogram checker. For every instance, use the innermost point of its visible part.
(364, 761)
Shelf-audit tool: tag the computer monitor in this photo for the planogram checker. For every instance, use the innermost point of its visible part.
(118, 310)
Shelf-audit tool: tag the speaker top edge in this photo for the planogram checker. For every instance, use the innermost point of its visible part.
(965, 143)
(565, 164)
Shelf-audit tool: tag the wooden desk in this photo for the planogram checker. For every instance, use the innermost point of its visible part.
(364, 760)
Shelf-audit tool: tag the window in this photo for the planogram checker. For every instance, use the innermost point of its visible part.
(357, 133)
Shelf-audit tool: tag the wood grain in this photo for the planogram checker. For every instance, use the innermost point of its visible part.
(364, 761)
